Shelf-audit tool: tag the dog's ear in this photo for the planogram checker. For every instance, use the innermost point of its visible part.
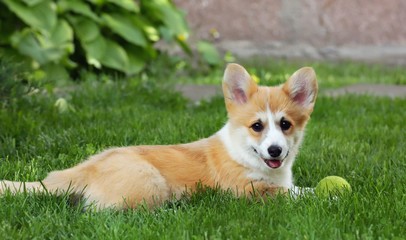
(238, 86)
(302, 87)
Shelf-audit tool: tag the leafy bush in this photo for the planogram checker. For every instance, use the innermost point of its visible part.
(16, 81)
(209, 53)
(61, 35)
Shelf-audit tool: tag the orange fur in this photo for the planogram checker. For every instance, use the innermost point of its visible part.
(124, 177)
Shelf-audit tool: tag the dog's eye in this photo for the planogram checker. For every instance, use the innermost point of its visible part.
(257, 127)
(285, 125)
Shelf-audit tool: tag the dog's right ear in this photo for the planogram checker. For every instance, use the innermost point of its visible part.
(238, 86)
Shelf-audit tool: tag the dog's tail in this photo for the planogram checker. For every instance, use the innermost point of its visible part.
(57, 182)
(17, 187)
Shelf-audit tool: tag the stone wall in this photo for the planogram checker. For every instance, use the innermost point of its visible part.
(367, 30)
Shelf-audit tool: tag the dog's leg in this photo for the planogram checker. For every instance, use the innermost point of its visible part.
(112, 179)
(258, 190)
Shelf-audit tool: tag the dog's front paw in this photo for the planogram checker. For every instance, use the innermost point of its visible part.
(296, 191)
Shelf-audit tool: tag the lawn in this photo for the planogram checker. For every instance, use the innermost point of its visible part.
(271, 72)
(361, 138)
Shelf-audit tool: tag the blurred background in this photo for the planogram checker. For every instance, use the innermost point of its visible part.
(55, 42)
(364, 30)
(80, 76)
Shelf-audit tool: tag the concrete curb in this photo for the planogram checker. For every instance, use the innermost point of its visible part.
(196, 92)
(380, 90)
(388, 55)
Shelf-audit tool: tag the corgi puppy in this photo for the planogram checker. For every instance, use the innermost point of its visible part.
(253, 153)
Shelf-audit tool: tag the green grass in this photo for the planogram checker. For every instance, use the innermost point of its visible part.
(360, 138)
(329, 75)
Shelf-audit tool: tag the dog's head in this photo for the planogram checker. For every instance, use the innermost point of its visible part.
(266, 124)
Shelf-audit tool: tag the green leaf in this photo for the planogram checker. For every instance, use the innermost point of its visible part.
(85, 29)
(45, 48)
(150, 52)
(92, 42)
(90, 39)
(26, 43)
(135, 63)
(115, 56)
(126, 4)
(62, 33)
(166, 33)
(60, 41)
(152, 33)
(108, 53)
(184, 46)
(41, 16)
(69, 63)
(95, 51)
(32, 2)
(209, 53)
(78, 7)
(149, 29)
(228, 57)
(126, 28)
(168, 14)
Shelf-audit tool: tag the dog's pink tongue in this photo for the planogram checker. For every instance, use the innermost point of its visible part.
(274, 163)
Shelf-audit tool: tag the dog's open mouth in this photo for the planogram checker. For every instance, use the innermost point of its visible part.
(273, 163)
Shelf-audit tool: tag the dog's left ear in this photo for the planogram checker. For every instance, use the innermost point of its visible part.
(302, 87)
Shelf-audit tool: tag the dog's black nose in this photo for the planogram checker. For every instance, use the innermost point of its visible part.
(274, 151)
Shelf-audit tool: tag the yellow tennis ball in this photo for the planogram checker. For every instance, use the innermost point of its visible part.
(332, 185)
